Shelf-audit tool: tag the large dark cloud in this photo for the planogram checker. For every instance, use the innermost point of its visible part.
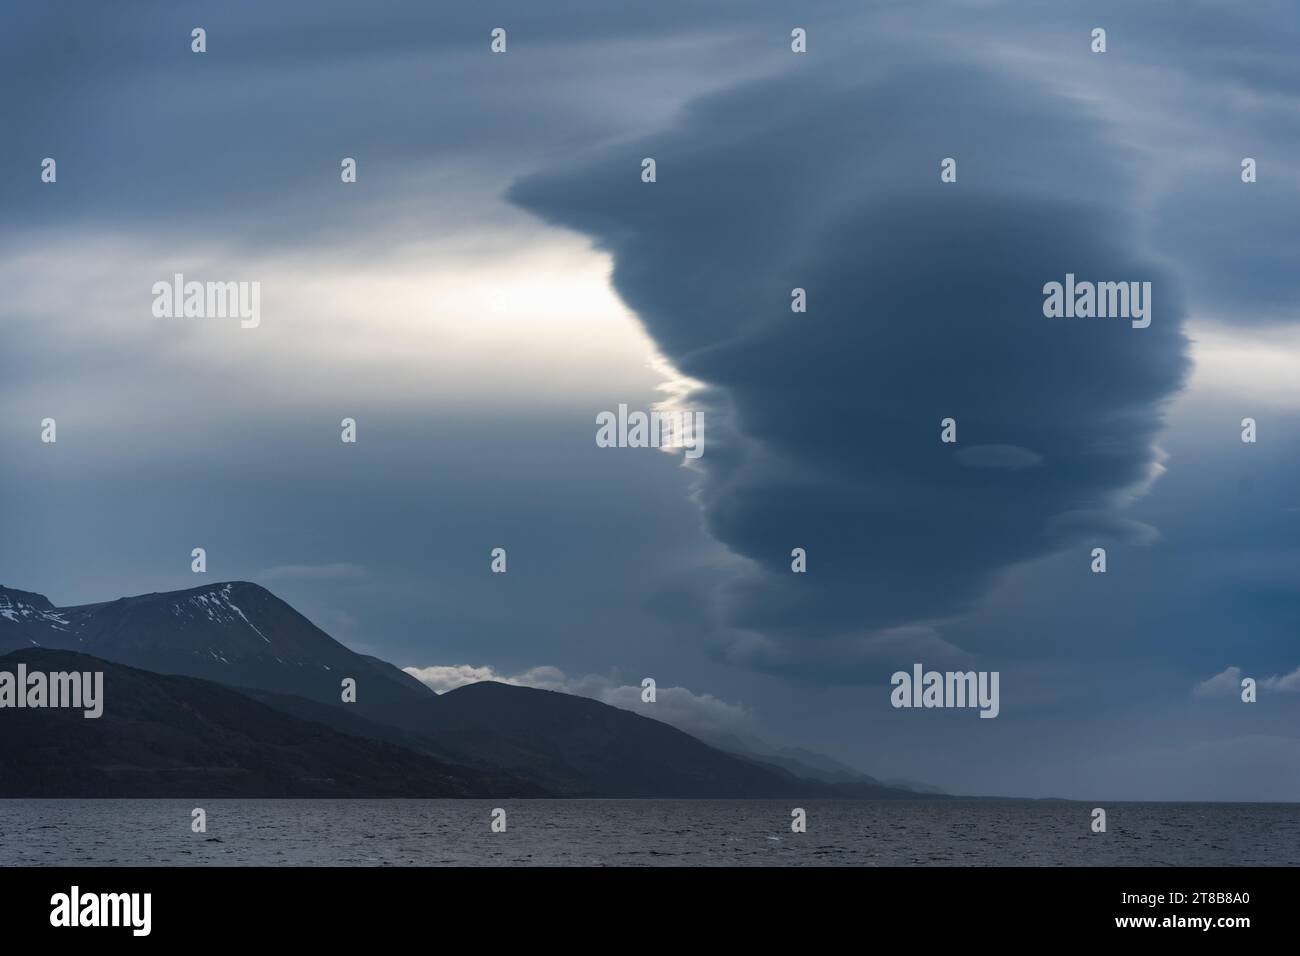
(925, 301)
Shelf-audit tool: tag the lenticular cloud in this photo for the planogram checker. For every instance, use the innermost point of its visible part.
(924, 301)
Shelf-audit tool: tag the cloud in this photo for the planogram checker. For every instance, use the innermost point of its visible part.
(1101, 525)
(1227, 683)
(1289, 683)
(924, 302)
(700, 714)
(876, 652)
(442, 678)
(510, 104)
(313, 572)
(997, 456)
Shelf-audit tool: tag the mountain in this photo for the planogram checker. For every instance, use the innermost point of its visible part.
(242, 636)
(27, 620)
(811, 765)
(578, 747)
(922, 789)
(232, 633)
(162, 736)
(575, 740)
(795, 760)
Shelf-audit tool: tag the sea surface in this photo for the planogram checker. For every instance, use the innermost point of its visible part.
(956, 832)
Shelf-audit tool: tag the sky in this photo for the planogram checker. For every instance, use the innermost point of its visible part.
(499, 275)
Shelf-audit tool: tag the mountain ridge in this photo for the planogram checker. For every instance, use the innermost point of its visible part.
(169, 736)
(233, 632)
(242, 637)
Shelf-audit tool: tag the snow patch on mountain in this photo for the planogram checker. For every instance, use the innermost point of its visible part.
(217, 606)
(21, 612)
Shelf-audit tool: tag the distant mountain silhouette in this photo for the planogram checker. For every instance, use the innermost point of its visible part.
(242, 636)
(809, 764)
(571, 741)
(162, 736)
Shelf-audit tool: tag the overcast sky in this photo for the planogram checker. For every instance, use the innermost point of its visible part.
(499, 275)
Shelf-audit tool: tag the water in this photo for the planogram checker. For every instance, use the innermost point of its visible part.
(644, 833)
